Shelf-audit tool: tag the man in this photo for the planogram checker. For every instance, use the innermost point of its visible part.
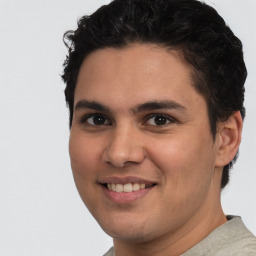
(155, 90)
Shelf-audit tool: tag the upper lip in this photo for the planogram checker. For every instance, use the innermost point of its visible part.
(125, 180)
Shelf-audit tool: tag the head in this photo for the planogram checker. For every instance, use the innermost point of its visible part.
(155, 92)
(191, 28)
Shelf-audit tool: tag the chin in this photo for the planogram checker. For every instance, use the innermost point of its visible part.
(131, 236)
(129, 230)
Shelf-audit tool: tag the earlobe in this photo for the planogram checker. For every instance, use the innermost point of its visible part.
(229, 138)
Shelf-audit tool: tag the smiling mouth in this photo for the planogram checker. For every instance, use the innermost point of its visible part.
(128, 187)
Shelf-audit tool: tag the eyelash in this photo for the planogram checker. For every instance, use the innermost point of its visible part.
(84, 119)
(166, 118)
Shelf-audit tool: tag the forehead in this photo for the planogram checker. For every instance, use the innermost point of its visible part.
(139, 73)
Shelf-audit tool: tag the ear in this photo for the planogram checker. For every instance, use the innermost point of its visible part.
(228, 139)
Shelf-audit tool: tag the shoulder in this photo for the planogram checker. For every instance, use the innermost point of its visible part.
(238, 240)
(244, 245)
(230, 239)
(110, 252)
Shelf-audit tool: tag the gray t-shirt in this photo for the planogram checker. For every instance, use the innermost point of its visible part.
(229, 239)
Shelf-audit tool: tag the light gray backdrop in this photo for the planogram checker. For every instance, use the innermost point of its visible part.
(40, 211)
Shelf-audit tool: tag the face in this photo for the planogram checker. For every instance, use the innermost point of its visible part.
(141, 150)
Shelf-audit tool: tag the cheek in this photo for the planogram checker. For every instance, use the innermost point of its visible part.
(187, 168)
(83, 154)
(84, 159)
(184, 160)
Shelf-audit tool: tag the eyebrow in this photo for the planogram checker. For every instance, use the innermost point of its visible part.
(151, 105)
(91, 105)
(154, 105)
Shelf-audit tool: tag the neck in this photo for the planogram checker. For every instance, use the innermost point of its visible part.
(179, 241)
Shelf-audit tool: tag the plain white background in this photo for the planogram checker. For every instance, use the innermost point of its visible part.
(40, 210)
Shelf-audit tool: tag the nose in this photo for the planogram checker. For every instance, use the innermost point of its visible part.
(124, 147)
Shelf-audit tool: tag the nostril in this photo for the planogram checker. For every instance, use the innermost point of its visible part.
(122, 151)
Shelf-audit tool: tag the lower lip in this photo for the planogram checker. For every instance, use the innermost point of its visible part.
(126, 197)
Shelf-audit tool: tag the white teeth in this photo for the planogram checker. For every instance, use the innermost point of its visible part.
(119, 188)
(136, 187)
(128, 187)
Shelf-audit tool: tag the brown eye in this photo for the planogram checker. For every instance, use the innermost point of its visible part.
(159, 120)
(97, 120)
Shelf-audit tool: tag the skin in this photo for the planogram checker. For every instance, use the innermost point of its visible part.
(179, 156)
